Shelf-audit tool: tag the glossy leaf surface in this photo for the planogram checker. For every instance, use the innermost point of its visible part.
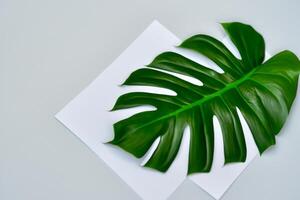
(262, 91)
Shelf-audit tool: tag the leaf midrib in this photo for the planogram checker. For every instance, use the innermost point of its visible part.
(229, 86)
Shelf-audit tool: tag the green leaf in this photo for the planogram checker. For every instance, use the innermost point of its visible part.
(262, 91)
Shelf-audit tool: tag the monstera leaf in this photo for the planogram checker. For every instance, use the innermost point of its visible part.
(262, 91)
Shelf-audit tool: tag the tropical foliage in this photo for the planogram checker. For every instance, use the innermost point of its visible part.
(262, 91)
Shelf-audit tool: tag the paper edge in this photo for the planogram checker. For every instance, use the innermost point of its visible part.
(59, 119)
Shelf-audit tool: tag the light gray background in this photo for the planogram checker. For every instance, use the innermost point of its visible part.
(51, 50)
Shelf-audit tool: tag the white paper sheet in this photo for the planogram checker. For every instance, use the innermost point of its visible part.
(88, 118)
